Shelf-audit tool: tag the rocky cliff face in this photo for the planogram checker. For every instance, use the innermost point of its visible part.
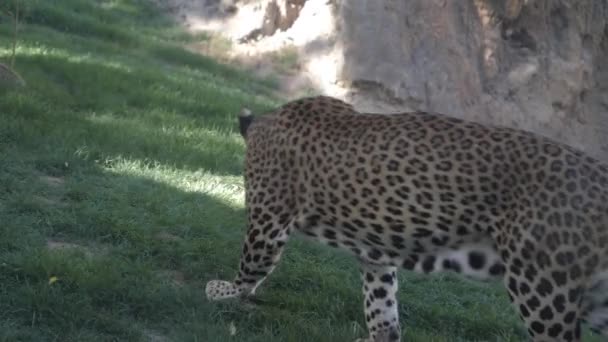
(540, 65)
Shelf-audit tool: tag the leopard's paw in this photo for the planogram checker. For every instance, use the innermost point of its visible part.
(387, 335)
(221, 289)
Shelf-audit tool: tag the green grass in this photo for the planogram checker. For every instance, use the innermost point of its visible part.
(120, 175)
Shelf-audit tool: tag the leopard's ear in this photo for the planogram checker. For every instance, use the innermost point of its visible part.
(245, 119)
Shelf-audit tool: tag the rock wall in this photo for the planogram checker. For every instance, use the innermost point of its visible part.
(540, 65)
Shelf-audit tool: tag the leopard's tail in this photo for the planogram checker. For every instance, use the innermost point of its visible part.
(245, 120)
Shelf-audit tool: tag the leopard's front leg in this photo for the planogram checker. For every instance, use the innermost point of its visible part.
(262, 249)
(380, 303)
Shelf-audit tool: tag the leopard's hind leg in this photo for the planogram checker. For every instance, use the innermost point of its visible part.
(544, 287)
(380, 303)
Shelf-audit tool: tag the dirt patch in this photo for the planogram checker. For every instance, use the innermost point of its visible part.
(89, 251)
(164, 236)
(54, 197)
(49, 202)
(174, 277)
(52, 181)
(154, 336)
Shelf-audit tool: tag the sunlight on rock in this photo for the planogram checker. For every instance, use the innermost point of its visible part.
(310, 29)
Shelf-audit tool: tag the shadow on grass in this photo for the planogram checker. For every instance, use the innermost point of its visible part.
(138, 253)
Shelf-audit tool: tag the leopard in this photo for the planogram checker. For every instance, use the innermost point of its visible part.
(428, 192)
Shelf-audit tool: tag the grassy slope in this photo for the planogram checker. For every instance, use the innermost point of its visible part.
(120, 175)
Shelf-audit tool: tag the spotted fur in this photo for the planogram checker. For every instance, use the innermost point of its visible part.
(427, 192)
